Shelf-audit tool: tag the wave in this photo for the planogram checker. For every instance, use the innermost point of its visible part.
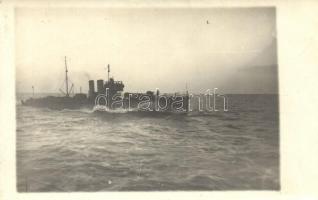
(135, 112)
(105, 110)
(81, 110)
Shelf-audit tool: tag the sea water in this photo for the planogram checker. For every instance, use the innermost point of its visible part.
(81, 150)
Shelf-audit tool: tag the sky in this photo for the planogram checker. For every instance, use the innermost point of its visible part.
(232, 49)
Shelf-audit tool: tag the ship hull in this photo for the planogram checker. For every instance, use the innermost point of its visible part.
(58, 103)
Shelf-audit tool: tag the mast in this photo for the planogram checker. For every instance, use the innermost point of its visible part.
(108, 71)
(187, 98)
(66, 78)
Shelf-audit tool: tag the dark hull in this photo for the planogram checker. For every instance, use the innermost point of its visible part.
(59, 103)
(132, 105)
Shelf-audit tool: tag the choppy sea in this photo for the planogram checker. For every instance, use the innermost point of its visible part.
(81, 150)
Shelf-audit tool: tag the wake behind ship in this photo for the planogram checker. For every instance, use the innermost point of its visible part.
(109, 96)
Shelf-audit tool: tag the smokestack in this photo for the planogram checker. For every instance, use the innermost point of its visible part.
(91, 89)
(100, 86)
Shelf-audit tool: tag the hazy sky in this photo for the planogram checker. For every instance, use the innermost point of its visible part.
(231, 49)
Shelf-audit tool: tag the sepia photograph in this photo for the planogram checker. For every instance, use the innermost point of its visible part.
(146, 99)
(115, 99)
